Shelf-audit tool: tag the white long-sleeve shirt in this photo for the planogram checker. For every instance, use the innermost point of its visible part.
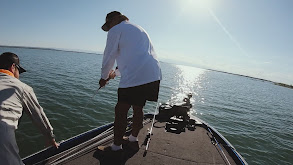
(131, 47)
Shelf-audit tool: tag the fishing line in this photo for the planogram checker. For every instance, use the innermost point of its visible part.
(227, 32)
(92, 97)
(108, 79)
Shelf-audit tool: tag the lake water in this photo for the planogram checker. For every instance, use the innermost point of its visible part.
(255, 116)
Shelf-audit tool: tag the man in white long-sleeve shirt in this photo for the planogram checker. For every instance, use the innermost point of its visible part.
(130, 46)
(16, 97)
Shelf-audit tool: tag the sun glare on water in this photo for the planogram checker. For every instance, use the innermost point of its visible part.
(188, 82)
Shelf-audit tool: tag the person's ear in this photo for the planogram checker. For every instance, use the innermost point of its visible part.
(12, 68)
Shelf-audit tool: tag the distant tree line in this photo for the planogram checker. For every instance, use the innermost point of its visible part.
(285, 85)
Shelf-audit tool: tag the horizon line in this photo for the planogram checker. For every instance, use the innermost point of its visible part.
(96, 53)
(56, 49)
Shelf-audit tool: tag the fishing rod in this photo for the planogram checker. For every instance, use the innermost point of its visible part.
(108, 79)
(148, 136)
(217, 143)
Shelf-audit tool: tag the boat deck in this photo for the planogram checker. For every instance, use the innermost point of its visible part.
(195, 146)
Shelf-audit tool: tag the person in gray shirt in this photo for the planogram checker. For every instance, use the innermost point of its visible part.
(16, 97)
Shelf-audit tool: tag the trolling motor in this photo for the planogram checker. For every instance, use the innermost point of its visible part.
(176, 116)
(166, 111)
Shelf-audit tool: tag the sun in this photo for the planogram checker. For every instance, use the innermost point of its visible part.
(198, 7)
(201, 3)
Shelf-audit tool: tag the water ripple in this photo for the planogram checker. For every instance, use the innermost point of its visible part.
(255, 116)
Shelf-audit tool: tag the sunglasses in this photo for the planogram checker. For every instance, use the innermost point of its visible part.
(18, 67)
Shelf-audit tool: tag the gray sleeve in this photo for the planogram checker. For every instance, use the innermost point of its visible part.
(36, 113)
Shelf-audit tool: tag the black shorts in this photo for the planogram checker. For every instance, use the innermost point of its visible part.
(138, 95)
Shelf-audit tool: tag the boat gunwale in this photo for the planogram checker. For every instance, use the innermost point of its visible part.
(48, 152)
(228, 146)
(65, 145)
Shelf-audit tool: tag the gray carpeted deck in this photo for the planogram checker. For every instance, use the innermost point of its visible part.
(189, 147)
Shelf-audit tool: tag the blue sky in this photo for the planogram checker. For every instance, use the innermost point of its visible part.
(250, 37)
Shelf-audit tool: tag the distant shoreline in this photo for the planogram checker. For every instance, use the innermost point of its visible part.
(56, 49)
(242, 75)
(284, 85)
(276, 83)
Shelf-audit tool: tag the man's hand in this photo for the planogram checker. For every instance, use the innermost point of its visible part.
(52, 142)
(112, 74)
(102, 82)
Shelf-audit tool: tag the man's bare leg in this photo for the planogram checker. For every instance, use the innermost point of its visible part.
(120, 122)
(137, 119)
